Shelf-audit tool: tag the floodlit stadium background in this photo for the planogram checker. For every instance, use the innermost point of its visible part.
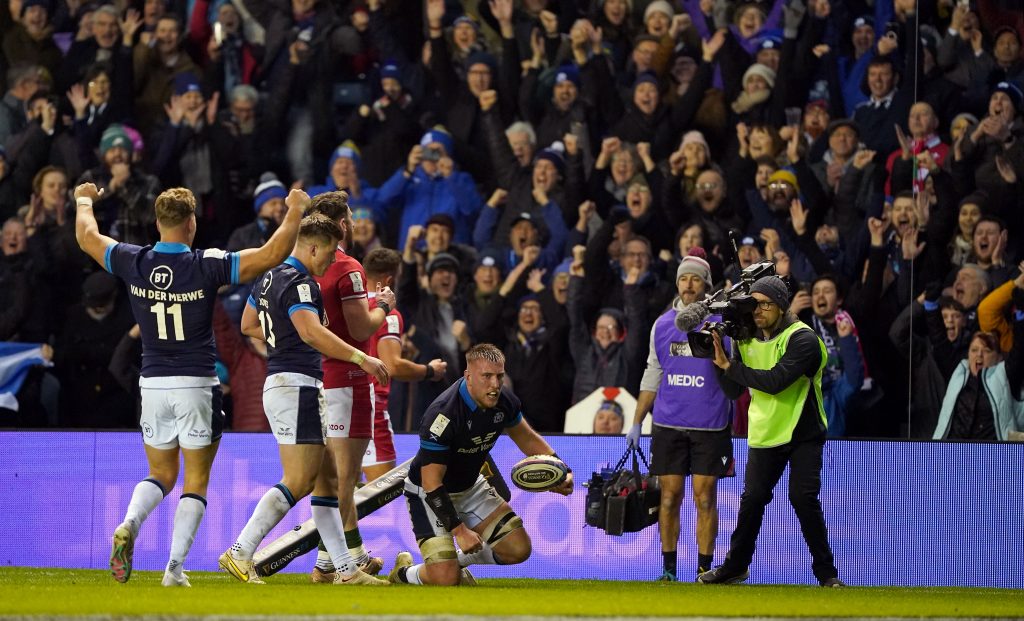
(899, 513)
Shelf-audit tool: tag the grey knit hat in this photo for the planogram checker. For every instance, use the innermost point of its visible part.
(773, 287)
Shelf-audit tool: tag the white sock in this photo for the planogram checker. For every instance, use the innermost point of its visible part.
(354, 541)
(147, 495)
(323, 560)
(191, 508)
(484, 557)
(269, 511)
(412, 575)
(328, 524)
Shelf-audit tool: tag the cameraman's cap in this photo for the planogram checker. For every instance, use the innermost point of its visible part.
(774, 288)
(444, 220)
(99, 289)
(443, 261)
(694, 265)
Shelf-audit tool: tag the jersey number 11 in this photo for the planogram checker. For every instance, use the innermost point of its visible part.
(161, 313)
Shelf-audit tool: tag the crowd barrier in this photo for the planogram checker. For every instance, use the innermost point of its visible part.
(898, 513)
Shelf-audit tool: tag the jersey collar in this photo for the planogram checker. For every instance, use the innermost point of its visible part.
(296, 264)
(464, 393)
(170, 247)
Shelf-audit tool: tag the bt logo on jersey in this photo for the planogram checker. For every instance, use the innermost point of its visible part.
(161, 277)
(696, 381)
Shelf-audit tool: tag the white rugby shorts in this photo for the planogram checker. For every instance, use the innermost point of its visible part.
(350, 411)
(181, 411)
(472, 505)
(295, 407)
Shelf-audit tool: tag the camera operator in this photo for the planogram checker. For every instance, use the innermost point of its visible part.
(691, 433)
(782, 367)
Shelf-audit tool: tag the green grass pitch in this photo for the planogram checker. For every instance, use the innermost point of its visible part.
(28, 591)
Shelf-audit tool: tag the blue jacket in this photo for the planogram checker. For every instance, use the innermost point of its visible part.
(552, 252)
(421, 196)
(1008, 412)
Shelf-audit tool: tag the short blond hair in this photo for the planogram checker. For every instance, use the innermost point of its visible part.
(320, 227)
(175, 206)
(485, 351)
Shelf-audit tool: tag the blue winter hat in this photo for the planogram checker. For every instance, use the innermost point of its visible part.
(864, 20)
(769, 40)
(346, 149)
(484, 58)
(186, 82)
(1013, 92)
(466, 19)
(568, 73)
(646, 76)
(270, 187)
(390, 70)
(554, 154)
(563, 267)
(441, 135)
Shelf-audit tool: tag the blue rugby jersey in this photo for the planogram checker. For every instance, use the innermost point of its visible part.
(459, 433)
(172, 290)
(284, 290)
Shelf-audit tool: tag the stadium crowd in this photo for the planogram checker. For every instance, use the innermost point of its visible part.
(543, 167)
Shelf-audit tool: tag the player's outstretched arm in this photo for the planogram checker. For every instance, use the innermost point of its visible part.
(390, 351)
(87, 232)
(314, 334)
(531, 443)
(254, 261)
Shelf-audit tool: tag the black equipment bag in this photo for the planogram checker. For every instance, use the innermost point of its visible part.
(625, 502)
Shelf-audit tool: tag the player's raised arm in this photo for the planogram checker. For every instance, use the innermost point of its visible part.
(254, 261)
(313, 333)
(87, 232)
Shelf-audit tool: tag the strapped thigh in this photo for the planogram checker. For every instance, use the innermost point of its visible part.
(437, 549)
(501, 527)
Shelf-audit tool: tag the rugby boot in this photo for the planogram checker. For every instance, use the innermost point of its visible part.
(360, 578)
(722, 575)
(404, 559)
(244, 571)
(372, 566)
(319, 576)
(834, 583)
(172, 579)
(121, 553)
(466, 578)
(666, 576)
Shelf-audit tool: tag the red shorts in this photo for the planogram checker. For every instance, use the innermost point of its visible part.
(350, 411)
(381, 448)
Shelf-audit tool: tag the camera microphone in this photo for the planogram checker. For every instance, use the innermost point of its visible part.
(690, 316)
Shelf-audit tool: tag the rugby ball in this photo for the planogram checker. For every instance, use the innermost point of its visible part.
(539, 473)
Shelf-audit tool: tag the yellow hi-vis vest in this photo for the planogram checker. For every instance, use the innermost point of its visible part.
(771, 419)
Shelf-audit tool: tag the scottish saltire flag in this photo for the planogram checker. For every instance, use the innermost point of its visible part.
(15, 361)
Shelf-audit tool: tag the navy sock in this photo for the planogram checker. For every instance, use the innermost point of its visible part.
(704, 562)
(668, 560)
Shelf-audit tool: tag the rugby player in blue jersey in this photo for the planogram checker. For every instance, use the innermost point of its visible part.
(172, 289)
(286, 310)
